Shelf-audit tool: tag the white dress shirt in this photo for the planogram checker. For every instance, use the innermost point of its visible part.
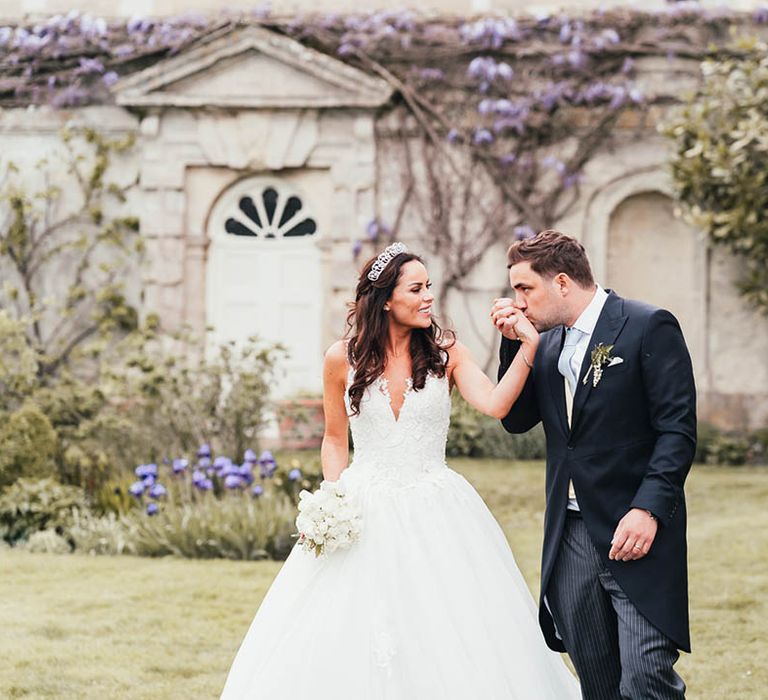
(586, 324)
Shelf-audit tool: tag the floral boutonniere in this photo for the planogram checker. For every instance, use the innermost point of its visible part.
(601, 356)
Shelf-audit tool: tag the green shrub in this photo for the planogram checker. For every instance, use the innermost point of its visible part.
(730, 448)
(235, 527)
(46, 542)
(29, 506)
(473, 434)
(107, 534)
(29, 446)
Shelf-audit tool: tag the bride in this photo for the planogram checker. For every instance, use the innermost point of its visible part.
(428, 604)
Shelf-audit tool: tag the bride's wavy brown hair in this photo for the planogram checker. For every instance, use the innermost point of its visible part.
(367, 330)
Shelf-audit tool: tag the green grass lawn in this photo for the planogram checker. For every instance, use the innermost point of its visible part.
(125, 627)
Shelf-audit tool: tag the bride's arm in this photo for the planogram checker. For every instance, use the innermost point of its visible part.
(478, 390)
(334, 451)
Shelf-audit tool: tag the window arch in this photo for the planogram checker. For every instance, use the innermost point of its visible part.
(268, 210)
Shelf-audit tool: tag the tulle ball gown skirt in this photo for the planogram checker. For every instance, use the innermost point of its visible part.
(427, 605)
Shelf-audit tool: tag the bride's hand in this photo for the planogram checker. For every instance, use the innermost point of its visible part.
(523, 329)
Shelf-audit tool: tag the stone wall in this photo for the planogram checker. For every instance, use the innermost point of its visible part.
(187, 158)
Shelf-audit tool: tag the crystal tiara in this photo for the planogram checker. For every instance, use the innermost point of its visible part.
(385, 258)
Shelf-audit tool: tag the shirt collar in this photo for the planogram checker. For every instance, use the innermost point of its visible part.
(588, 320)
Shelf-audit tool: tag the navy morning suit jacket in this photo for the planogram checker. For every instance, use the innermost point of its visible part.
(630, 445)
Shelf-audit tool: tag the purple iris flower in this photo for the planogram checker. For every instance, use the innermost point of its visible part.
(294, 474)
(204, 451)
(267, 464)
(204, 484)
(204, 462)
(257, 490)
(233, 481)
(453, 136)
(152, 509)
(250, 456)
(229, 469)
(198, 476)
(221, 462)
(246, 472)
(137, 488)
(149, 479)
(145, 470)
(157, 491)
(179, 465)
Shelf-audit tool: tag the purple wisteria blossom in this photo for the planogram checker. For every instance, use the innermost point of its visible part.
(485, 70)
(89, 65)
(523, 232)
(482, 137)
(431, 74)
(555, 164)
(453, 136)
(491, 32)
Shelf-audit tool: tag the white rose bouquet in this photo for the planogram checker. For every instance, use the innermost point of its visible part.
(328, 519)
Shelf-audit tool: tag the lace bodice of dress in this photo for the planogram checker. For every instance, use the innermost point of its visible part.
(406, 447)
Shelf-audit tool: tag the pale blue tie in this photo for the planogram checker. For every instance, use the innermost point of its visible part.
(565, 363)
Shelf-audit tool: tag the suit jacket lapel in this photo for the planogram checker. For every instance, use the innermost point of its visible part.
(609, 325)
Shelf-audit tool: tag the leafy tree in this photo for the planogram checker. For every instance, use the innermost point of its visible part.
(720, 164)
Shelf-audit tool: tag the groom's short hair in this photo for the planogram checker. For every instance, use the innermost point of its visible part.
(552, 252)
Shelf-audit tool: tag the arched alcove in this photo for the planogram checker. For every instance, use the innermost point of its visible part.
(655, 257)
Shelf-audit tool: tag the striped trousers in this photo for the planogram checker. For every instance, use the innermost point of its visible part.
(617, 653)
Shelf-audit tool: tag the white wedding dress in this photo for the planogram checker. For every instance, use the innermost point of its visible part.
(427, 605)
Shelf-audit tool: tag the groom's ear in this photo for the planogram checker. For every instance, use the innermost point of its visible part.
(562, 283)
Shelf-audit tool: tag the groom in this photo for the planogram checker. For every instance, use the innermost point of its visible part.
(612, 384)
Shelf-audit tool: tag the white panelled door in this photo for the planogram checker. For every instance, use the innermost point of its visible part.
(264, 271)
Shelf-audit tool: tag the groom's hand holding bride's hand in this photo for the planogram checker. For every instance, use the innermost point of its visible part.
(634, 536)
(505, 317)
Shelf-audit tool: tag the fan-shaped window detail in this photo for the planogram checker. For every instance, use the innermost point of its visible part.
(270, 213)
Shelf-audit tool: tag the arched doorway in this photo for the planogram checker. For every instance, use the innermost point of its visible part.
(263, 273)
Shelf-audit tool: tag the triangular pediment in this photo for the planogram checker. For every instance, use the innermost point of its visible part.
(252, 68)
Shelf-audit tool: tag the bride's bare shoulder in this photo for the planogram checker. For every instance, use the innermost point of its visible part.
(336, 356)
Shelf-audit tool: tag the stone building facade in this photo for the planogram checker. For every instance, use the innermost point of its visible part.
(258, 164)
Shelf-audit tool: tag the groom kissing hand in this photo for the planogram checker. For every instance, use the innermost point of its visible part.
(613, 385)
